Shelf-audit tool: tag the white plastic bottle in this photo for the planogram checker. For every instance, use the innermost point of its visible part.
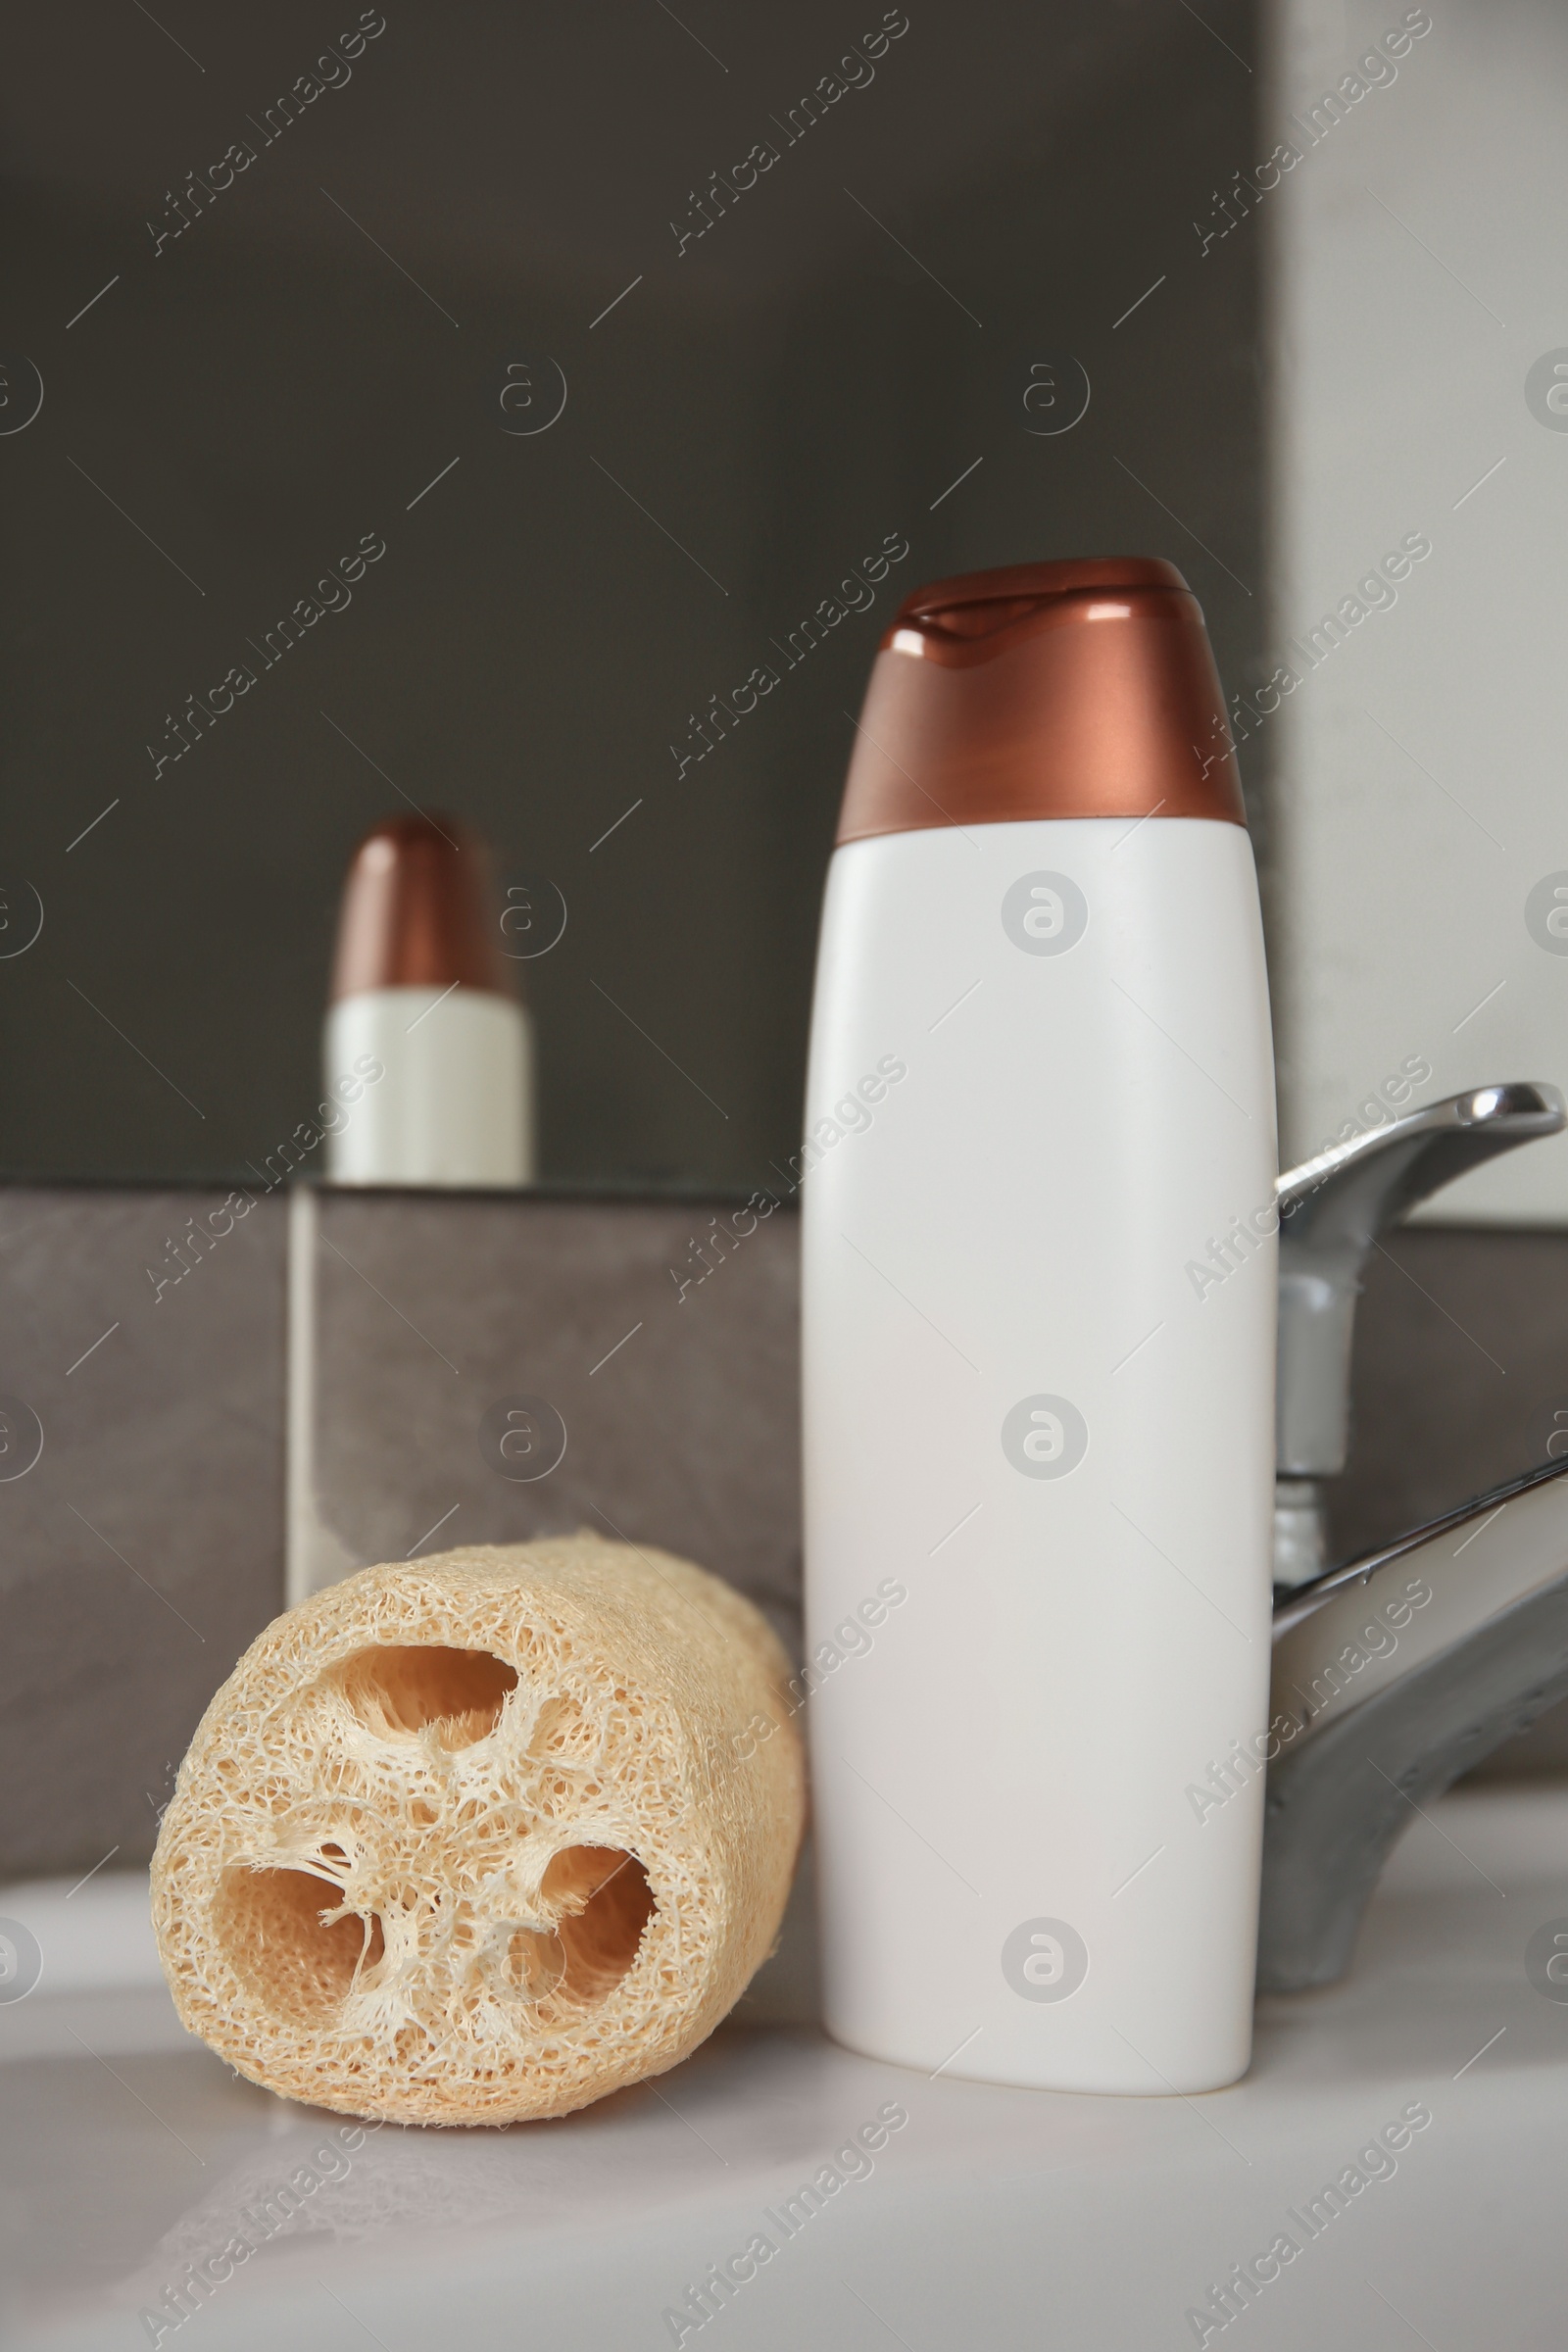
(1038, 1428)
(424, 997)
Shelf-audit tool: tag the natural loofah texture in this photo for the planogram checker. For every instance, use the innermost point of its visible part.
(484, 1837)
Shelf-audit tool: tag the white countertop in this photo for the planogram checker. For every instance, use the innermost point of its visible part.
(992, 2217)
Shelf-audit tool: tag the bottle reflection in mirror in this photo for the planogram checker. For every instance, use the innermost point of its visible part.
(423, 984)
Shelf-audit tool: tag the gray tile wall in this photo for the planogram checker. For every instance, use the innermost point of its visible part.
(1460, 1375)
(664, 1335)
(142, 1551)
(145, 1546)
(1460, 1381)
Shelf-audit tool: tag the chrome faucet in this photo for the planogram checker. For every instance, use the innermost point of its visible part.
(1331, 1211)
(1395, 1673)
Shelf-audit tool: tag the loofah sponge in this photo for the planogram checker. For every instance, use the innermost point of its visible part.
(484, 1837)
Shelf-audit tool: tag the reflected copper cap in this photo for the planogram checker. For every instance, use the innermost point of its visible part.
(1081, 689)
(416, 911)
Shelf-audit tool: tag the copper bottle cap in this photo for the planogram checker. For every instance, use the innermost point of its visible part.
(1078, 689)
(416, 911)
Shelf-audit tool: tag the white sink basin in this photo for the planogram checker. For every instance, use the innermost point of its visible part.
(991, 2218)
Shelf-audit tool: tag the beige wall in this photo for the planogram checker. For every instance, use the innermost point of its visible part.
(1418, 769)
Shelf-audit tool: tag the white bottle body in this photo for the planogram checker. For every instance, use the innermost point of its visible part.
(1017, 1879)
(454, 1105)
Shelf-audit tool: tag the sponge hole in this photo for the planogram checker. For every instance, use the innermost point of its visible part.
(269, 1924)
(603, 1903)
(399, 1692)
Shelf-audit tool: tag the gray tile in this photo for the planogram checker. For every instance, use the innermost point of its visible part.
(680, 1406)
(143, 1550)
(1460, 1382)
(1461, 1363)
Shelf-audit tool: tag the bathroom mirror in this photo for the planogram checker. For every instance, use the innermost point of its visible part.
(536, 416)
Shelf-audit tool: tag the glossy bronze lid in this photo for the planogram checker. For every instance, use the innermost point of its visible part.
(417, 911)
(1079, 689)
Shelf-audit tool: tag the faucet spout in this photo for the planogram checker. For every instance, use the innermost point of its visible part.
(1390, 1677)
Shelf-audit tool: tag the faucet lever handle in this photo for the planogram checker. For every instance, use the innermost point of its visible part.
(1359, 1188)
